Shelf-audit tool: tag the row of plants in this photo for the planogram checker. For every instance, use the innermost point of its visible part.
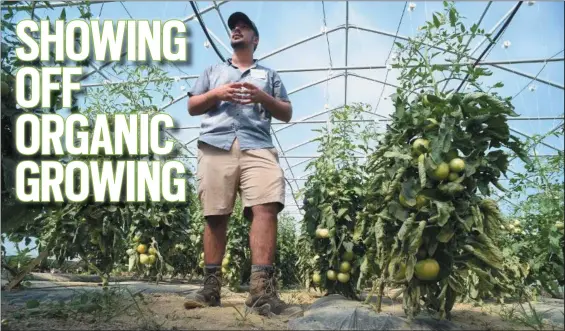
(418, 215)
(149, 240)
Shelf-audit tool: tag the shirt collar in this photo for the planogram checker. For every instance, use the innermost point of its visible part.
(255, 63)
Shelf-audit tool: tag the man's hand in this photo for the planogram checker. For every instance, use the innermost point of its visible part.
(200, 104)
(228, 92)
(252, 94)
(280, 110)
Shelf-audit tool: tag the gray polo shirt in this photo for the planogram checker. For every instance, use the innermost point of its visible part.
(250, 123)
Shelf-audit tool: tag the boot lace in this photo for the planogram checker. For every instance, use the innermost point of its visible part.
(211, 280)
(271, 290)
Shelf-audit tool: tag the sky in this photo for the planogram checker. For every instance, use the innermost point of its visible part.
(537, 31)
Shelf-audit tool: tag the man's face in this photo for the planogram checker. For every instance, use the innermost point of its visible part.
(242, 36)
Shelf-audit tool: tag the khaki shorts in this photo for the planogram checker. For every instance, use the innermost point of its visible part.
(255, 174)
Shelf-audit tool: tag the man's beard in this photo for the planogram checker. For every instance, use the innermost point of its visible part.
(239, 44)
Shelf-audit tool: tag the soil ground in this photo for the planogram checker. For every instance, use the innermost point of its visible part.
(82, 306)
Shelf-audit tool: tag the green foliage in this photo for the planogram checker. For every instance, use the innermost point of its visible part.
(15, 213)
(539, 215)
(239, 269)
(424, 207)
(287, 254)
(332, 199)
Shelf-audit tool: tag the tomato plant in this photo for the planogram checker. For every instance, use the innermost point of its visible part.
(287, 253)
(431, 229)
(332, 198)
(539, 215)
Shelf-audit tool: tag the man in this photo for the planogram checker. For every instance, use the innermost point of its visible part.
(236, 100)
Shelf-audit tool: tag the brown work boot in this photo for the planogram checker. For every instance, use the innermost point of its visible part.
(264, 298)
(209, 294)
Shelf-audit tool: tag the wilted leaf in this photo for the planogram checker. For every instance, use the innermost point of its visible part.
(410, 263)
(445, 234)
(444, 210)
(451, 188)
(442, 144)
(341, 212)
(131, 262)
(422, 171)
(396, 210)
(409, 191)
(398, 155)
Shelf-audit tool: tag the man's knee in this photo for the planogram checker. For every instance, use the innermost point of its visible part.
(217, 220)
(267, 210)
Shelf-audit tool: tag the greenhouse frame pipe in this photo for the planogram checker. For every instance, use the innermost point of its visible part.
(299, 42)
(540, 142)
(323, 80)
(301, 144)
(299, 163)
(204, 11)
(491, 44)
(376, 67)
(56, 4)
(309, 117)
(219, 40)
(470, 57)
(379, 120)
(105, 64)
(446, 64)
(282, 156)
(290, 169)
(222, 18)
(469, 41)
(374, 80)
(346, 49)
(92, 65)
(494, 28)
(317, 156)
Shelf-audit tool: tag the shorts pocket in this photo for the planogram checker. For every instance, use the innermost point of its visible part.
(275, 153)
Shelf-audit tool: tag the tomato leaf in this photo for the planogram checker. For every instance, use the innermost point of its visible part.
(442, 144)
(396, 210)
(445, 234)
(341, 212)
(409, 191)
(131, 263)
(422, 171)
(451, 188)
(444, 210)
(436, 21)
(452, 17)
(410, 263)
(398, 155)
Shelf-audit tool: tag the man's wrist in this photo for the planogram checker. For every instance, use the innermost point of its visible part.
(213, 96)
(265, 99)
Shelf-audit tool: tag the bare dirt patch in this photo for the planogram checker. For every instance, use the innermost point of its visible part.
(165, 311)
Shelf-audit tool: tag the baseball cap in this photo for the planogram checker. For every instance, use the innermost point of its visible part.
(241, 17)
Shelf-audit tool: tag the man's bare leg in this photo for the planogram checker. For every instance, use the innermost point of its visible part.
(263, 293)
(215, 237)
(215, 233)
(263, 234)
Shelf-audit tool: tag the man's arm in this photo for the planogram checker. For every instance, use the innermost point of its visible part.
(280, 109)
(201, 98)
(277, 104)
(200, 104)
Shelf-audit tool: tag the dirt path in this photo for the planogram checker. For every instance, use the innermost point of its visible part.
(160, 307)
